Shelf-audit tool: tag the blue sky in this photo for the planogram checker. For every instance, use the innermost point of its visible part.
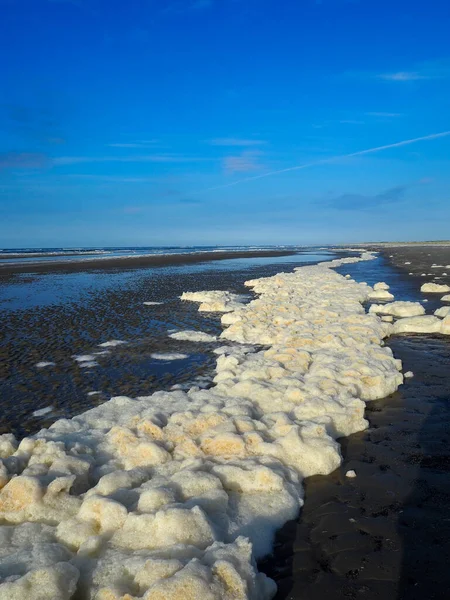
(129, 123)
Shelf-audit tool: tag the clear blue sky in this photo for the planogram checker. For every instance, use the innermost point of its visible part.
(125, 122)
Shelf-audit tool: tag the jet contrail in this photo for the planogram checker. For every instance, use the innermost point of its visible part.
(432, 136)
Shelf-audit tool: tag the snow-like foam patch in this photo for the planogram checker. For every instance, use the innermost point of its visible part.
(442, 312)
(380, 294)
(445, 298)
(40, 413)
(423, 324)
(169, 356)
(398, 309)
(112, 343)
(152, 303)
(44, 363)
(435, 288)
(86, 361)
(174, 495)
(381, 286)
(193, 336)
(214, 301)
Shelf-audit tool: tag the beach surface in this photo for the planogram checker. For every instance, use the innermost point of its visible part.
(357, 531)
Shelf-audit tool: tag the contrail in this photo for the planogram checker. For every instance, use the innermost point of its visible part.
(432, 136)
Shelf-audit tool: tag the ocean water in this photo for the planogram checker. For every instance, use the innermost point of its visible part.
(45, 255)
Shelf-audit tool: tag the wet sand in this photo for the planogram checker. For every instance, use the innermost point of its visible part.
(130, 262)
(385, 534)
(418, 261)
(110, 307)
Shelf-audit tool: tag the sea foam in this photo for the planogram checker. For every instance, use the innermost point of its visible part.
(173, 496)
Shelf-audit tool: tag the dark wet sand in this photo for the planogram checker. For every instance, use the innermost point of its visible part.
(138, 262)
(421, 259)
(384, 535)
(75, 325)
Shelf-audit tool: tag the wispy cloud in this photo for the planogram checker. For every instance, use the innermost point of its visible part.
(331, 159)
(139, 144)
(366, 202)
(23, 160)
(235, 142)
(111, 178)
(242, 163)
(387, 115)
(435, 69)
(402, 76)
(151, 158)
(351, 122)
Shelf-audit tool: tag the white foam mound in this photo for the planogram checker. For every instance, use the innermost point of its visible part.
(168, 356)
(193, 336)
(387, 318)
(42, 411)
(398, 309)
(174, 495)
(445, 326)
(380, 294)
(444, 311)
(380, 286)
(152, 303)
(214, 301)
(86, 361)
(112, 343)
(423, 324)
(435, 288)
(44, 363)
(445, 298)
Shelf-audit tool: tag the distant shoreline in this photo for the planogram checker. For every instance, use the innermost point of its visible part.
(138, 262)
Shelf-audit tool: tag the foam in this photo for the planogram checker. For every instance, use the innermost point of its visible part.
(445, 298)
(435, 288)
(152, 303)
(44, 363)
(444, 311)
(112, 343)
(380, 294)
(398, 309)
(42, 411)
(381, 286)
(174, 495)
(193, 336)
(86, 361)
(214, 301)
(422, 324)
(168, 356)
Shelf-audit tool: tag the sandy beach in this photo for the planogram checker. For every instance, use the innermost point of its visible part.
(364, 536)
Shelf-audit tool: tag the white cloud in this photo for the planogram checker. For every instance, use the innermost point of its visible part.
(403, 76)
(138, 144)
(386, 115)
(155, 158)
(235, 142)
(243, 163)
